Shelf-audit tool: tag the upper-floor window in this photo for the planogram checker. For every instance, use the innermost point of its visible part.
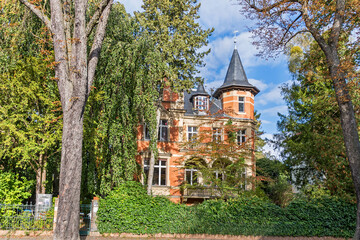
(163, 130)
(241, 104)
(217, 135)
(241, 137)
(159, 177)
(201, 103)
(192, 132)
(146, 132)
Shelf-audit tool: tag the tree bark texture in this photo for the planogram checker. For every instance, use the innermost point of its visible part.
(153, 154)
(40, 175)
(74, 72)
(350, 134)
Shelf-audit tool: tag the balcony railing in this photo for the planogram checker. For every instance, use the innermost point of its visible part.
(201, 192)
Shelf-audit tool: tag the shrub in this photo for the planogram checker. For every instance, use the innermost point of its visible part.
(130, 209)
(13, 190)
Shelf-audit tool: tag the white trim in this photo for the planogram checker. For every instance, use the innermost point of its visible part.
(238, 101)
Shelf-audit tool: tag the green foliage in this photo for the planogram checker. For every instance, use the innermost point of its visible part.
(14, 189)
(274, 180)
(129, 209)
(178, 38)
(123, 96)
(135, 59)
(30, 114)
(310, 136)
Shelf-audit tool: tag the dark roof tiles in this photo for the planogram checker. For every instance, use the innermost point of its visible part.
(235, 76)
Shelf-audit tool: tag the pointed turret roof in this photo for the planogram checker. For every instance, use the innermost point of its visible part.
(236, 77)
(200, 91)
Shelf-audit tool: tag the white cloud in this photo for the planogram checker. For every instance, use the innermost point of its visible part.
(272, 96)
(270, 148)
(267, 136)
(273, 111)
(223, 15)
(213, 85)
(259, 84)
(132, 5)
(265, 122)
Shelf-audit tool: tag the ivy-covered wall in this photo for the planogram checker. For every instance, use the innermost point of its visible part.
(128, 209)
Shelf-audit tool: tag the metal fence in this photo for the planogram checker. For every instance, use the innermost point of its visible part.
(25, 217)
(85, 219)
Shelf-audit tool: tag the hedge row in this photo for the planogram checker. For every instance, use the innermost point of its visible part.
(129, 209)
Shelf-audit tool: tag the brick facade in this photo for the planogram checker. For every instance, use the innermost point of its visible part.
(233, 100)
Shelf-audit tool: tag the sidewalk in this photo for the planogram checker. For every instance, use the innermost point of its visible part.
(177, 237)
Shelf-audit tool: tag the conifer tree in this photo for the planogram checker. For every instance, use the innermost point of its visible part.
(178, 37)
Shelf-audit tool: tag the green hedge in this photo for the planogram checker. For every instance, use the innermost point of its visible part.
(129, 209)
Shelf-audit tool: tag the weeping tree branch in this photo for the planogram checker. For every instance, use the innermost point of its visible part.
(98, 40)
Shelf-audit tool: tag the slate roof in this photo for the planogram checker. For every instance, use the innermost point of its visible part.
(200, 91)
(215, 104)
(235, 76)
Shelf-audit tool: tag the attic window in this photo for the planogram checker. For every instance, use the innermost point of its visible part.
(201, 103)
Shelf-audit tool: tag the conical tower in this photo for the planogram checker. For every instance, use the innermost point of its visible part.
(236, 93)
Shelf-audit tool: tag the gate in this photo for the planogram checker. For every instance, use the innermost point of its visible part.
(85, 219)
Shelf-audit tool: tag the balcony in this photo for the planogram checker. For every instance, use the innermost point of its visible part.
(201, 192)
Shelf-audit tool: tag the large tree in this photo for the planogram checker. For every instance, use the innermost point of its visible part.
(327, 22)
(178, 37)
(125, 90)
(30, 118)
(313, 124)
(71, 24)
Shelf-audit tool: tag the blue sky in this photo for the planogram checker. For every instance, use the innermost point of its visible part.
(267, 75)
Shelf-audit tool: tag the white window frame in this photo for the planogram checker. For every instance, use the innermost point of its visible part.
(241, 104)
(201, 103)
(162, 128)
(241, 136)
(158, 165)
(192, 172)
(217, 135)
(192, 132)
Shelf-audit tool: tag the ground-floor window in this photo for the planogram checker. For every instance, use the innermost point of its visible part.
(159, 178)
(191, 176)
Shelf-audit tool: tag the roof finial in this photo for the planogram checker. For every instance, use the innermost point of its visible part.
(235, 35)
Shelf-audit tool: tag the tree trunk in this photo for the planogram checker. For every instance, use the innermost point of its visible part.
(74, 72)
(352, 144)
(67, 222)
(351, 139)
(40, 176)
(349, 127)
(153, 154)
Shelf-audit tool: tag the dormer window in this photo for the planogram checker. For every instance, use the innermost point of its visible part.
(201, 103)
